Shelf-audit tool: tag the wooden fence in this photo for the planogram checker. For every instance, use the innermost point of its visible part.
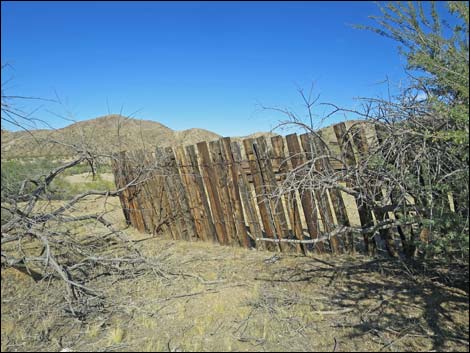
(218, 191)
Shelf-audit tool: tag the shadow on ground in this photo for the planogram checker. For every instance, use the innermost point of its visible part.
(405, 303)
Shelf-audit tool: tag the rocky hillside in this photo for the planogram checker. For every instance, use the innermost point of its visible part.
(107, 133)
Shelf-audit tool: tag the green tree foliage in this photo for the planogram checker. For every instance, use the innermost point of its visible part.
(438, 51)
(431, 133)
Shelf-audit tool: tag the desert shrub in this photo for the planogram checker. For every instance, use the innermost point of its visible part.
(61, 189)
(15, 171)
(419, 160)
(85, 168)
(428, 122)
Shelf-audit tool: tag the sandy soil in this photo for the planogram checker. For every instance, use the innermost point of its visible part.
(231, 299)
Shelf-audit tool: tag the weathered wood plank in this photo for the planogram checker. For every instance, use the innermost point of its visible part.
(385, 234)
(212, 191)
(166, 215)
(314, 148)
(131, 171)
(168, 203)
(150, 202)
(337, 201)
(190, 188)
(221, 182)
(147, 194)
(204, 209)
(129, 190)
(263, 205)
(339, 207)
(161, 205)
(270, 185)
(164, 164)
(181, 197)
(248, 202)
(308, 204)
(346, 142)
(119, 180)
(234, 192)
(289, 197)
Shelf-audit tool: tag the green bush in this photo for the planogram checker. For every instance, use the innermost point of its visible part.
(15, 171)
(437, 55)
(61, 189)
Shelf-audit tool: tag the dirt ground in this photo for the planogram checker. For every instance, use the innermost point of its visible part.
(216, 298)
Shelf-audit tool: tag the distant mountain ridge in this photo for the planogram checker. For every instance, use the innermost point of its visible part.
(108, 133)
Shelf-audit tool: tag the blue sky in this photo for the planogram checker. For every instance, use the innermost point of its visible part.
(192, 64)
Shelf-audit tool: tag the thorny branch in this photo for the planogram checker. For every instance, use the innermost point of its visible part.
(400, 167)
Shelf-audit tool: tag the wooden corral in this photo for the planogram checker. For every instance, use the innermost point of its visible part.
(222, 191)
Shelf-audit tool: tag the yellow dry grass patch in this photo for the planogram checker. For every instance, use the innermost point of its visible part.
(115, 335)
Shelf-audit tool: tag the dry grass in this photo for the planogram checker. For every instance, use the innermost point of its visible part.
(219, 298)
(88, 178)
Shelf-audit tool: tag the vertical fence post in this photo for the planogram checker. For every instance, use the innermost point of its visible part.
(119, 180)
(135, 208)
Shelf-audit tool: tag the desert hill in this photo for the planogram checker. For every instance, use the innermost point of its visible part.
(107, 133)
(113, 133)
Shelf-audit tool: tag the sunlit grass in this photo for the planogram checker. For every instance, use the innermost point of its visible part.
(116, 335)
